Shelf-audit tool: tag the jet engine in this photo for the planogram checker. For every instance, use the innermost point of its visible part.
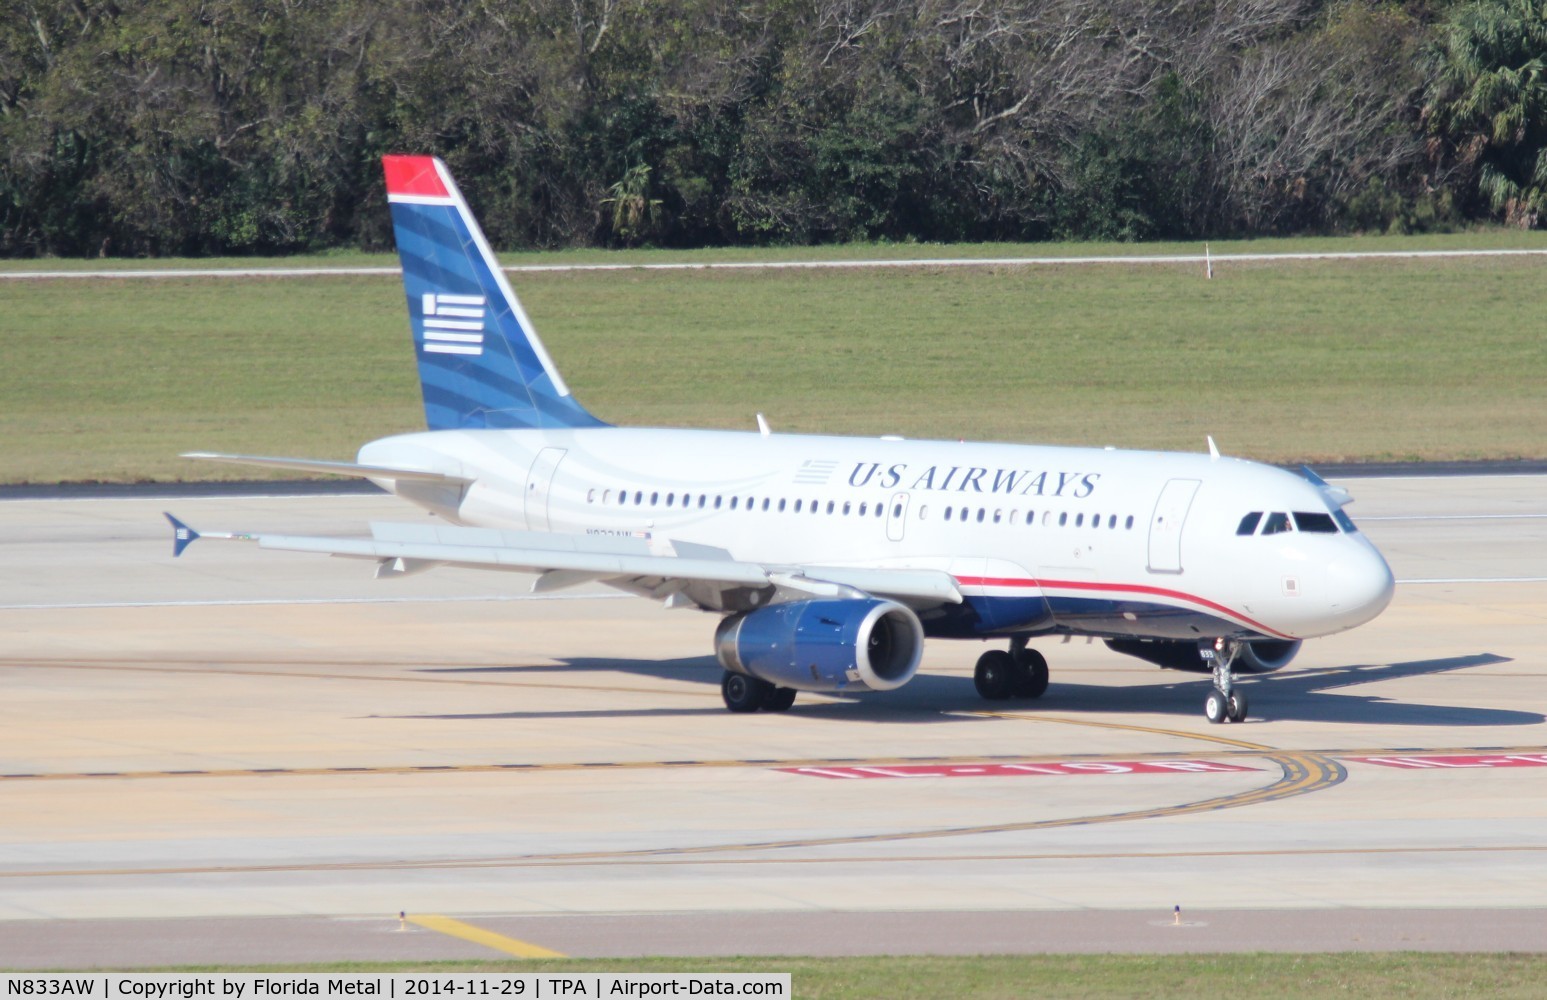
(1261, 656)
(1267, 655)
(824, 645)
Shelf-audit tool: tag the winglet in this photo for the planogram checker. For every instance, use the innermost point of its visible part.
(1337, 494)
(182, 535)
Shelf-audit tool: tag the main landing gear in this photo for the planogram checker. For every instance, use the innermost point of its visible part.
(1018, 673)
(1224, 701)
(748, 694)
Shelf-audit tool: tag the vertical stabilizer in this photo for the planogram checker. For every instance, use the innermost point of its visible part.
(480, 361)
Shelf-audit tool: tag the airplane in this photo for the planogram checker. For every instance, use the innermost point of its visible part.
(830, 559)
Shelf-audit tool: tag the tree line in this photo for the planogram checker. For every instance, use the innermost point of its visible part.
(193, 127)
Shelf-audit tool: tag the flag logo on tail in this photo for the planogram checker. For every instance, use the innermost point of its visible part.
(453, 324)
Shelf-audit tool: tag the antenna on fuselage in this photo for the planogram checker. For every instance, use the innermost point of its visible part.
(762, 426)
(1213, 448)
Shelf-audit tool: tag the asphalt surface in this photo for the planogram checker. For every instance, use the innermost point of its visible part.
(245, 756)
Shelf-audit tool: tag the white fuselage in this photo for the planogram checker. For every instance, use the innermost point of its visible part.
(1039, 539)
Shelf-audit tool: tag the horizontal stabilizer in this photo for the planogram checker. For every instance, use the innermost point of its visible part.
(331, 468)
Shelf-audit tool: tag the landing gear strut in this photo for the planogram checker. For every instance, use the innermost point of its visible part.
(1224, 701)
(1018, 673)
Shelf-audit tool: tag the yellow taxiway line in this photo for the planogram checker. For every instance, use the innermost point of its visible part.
(477, 935)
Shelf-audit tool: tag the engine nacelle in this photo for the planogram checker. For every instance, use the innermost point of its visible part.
(1259, 657)
(1267, 655)
(824, 645)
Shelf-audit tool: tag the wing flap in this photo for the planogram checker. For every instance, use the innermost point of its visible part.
(603, 565)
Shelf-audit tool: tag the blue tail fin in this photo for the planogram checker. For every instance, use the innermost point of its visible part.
(480, 362)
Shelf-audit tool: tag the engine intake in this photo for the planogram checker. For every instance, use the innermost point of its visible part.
(1261, 656)
(824, 645)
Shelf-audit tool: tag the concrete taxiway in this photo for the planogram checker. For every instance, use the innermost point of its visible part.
(251, 756)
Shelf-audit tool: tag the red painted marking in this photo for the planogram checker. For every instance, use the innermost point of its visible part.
(1065, 767)
(413, 175)
(1436, 762)
(1127, 588)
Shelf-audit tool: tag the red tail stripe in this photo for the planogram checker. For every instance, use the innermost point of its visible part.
(413, 175)
(1108, 588)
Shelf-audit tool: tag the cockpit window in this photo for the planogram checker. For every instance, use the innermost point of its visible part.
(1277, 522)
(1249, 523)
(1344, 521)
(1315, 522)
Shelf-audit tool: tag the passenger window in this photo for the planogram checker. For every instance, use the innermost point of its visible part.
(846, 508)
(1112, 521)
(1129, 525)
(765, 503)
(1063, 519)
(948, 513)
(897, 510)
(829, 506)
(1277, 522)
(639, 498)
(923, 511)
(863, 509)
(797, 506)
(717, 501)
(963, 515)
(1315, 523)
(980, 515)
(1248, 525)
(1031, 517)
(1079, 520)
(781, 505)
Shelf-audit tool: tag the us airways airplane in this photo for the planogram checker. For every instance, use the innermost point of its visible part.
(829, 560)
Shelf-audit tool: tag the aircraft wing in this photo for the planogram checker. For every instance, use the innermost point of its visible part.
(680, 572)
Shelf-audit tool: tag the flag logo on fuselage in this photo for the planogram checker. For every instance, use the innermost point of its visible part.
(453, 324)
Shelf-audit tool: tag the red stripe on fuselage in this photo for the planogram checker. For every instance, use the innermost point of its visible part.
(413, 175)
(1109, 588)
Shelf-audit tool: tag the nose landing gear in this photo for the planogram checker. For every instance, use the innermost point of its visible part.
(1224, 701)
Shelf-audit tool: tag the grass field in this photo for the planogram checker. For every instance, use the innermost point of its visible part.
(1379, 360)
(1410, 976)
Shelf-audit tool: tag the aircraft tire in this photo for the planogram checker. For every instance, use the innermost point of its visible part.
(1236, 710)
(779, 700)
(994, 676)
(743, 693)
(1030, 674)
(1216, 707)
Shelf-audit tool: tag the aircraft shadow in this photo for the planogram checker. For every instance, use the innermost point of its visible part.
(1305, 695)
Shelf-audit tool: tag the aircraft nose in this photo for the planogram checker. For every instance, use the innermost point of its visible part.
(1359, 585)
